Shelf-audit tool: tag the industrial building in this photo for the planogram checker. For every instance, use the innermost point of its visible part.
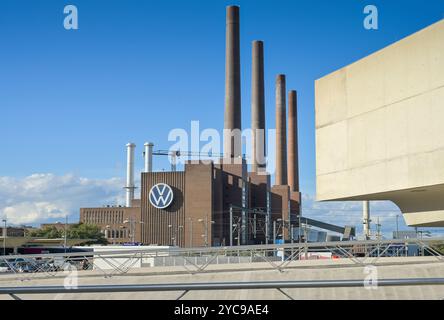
(379, 131)
(217, 203)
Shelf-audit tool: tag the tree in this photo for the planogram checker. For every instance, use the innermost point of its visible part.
(86, 231)
(46, 232)
(76, 231)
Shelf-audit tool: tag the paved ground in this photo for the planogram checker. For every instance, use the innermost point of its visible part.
(419, 267)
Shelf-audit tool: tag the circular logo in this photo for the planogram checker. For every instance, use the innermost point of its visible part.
(161, 196)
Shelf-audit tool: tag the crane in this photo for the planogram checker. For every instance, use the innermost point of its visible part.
(174, 154)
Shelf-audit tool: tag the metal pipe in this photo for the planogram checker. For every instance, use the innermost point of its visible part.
(148, 156)
(220, 286)
(130, 174)
(232, 118)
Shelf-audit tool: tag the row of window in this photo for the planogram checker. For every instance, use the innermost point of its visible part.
(102, 217)
(116, 233)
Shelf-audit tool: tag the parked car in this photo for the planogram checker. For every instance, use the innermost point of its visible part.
(4, 267)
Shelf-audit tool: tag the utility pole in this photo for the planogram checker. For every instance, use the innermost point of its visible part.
(191, 231)
(206, 231)
(66, 229)
(239, 232)
(378, 229)
(231, 225)
(5, 231)
(205, 223)
(274, 231)
(397, 229)
(254, 225)
(299, 229)
(291, 233)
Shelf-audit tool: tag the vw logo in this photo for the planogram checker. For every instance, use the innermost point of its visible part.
(161, 196)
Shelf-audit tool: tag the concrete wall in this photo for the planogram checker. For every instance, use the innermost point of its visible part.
(380, 128)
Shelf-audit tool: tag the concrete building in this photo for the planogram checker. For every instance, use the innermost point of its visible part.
(379, 128)
(13, 231)
(118, 224)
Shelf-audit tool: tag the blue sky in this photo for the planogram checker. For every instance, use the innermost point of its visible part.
(71, 100)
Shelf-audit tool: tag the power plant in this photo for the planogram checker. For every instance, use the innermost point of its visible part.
(218, 203)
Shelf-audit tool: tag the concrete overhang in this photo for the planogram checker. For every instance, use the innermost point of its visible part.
(379, 128)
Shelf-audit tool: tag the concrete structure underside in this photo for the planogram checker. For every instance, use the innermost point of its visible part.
(380, 132)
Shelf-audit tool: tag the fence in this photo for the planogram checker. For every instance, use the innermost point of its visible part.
(278, 256)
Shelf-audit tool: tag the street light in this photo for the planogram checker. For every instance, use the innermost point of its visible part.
(65, 235)
(175, 234)
(5, 231)
(205, 224)
(191, 231)
(132, 225)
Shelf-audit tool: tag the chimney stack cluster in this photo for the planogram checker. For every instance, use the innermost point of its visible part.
(286, 164)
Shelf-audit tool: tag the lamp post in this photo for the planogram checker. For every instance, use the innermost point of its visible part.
(205, 225)
(175, 234)
(65, 233)
(5, 231)
(397, 229)
(132, 228)
(191, 231)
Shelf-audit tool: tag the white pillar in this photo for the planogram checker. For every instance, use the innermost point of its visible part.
(366, 219)
(149, 156)
(130, 174)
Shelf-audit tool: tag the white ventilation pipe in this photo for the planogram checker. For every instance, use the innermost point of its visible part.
(366, 219)
(148, 156)
(130, 174)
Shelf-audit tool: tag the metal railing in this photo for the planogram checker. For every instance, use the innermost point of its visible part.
(193, 260)
(186, 287)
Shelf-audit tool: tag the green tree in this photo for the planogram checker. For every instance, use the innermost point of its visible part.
(86, 231)
(47, 232)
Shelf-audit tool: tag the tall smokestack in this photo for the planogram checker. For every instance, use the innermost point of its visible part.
(258, 106)
(148, 156)
(232, 118)
(281, 132)
(130, 174)
(293, 157)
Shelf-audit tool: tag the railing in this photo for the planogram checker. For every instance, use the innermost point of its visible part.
(193, 260)
(186, 287)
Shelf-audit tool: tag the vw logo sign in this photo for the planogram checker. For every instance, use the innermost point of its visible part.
(161, 196)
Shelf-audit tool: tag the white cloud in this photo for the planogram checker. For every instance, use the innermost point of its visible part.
(46, 197)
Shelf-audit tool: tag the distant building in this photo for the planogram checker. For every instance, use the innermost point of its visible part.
(13, 232)
(118, 224)
(410, 234)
